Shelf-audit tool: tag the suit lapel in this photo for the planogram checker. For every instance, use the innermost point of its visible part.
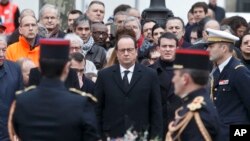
(135, 77)
(117, 77)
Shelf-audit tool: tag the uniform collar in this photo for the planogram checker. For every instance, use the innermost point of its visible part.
(199, 92)
(222, 65)
(52, 82)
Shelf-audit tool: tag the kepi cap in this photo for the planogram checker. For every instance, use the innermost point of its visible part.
(57, 49)
(191, 59)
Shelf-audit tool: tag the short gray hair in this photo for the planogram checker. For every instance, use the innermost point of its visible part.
(131, 18)
(49, 6)
(74, 37)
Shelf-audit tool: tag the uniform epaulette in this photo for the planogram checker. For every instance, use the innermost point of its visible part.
(196, 103)
(26, 89)
(238, 66)
(83, 94)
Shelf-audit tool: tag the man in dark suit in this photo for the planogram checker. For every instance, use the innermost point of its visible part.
(128, 94)
(231, 79)
(168, 44)
(197, 119)
(50, 111)
(71, 81)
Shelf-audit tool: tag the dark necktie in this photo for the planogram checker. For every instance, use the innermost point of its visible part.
(125, 80)
(216, 74)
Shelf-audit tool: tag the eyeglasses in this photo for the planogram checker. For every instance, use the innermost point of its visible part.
(78, 70)
(129, 50)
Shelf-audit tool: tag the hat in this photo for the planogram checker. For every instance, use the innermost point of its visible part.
(220, 36)
(191, 59)
(57, 49)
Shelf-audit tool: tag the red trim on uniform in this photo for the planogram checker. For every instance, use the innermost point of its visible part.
(54, 42)
(192, 51)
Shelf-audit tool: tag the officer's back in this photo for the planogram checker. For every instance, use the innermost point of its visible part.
(49, 111)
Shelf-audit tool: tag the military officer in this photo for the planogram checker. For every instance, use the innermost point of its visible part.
(230, 84)
(50, 111)
(197, 118)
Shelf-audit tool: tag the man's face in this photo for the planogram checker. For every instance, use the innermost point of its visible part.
(78, 67)
(50, 19)
(28, 27)
(199, 14)
(147, 30)
(167, 49)
(83, 30)
(96, 12)
(215, 52)
(179, 82)
(175, 26)
(71, 18)
(134, 25)
(119, 20)
(126, 52)
(193, 37)
(3, 47)
(157, 34)
(74, 46)
(245, 45)
(100, 34)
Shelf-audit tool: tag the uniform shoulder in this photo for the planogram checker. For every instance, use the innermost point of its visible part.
(196, 104)
(25, 90)
(76, 91)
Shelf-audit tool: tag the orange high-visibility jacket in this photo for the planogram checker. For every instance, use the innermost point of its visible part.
(22, 49)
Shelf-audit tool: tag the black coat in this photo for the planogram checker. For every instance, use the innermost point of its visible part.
(170, 102)
(88, 85)
(138, 108)
(50, 112)
(231, 93)
(208, 115)
(71, 81)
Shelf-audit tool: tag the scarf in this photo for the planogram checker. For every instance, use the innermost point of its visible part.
(87, 46)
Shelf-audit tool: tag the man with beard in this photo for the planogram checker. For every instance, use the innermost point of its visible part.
(230, 82)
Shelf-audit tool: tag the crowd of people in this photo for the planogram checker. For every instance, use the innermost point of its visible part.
(123, 79)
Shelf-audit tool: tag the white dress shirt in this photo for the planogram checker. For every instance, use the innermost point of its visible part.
(131, 70)
(222, 65)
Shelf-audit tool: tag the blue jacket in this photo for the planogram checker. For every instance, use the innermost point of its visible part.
(10, 82)
(231, 93)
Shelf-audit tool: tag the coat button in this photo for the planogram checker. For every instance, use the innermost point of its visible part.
(223, 89)
(215, 89)
(215, 98)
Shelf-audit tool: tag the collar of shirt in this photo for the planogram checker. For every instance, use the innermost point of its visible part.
(222, 65)
(131, 70)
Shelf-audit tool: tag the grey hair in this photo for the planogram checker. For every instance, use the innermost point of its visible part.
(74, 37)
(4, 39)
(49, 6)
(131, 18)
